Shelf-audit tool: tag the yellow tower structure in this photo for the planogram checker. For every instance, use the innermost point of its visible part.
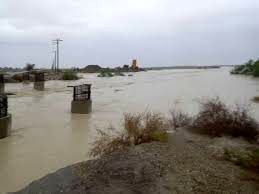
(134, 65)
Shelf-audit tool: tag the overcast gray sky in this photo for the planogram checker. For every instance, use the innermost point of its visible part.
(112, 32)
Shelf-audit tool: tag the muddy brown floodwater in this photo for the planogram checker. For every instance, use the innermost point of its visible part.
(46, 136)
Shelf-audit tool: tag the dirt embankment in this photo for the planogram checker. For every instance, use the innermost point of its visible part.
(189, 163)
(197, 166)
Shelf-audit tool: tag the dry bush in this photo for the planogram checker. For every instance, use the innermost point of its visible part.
(179, 119)
(137, 129)
(243, 125)
(154, 128)
(216, 119)
(108, 142)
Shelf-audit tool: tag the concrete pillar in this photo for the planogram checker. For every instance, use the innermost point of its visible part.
(26, 82)
(39, 81)
(5, 126)
(2, 91)
(39, 85)
(2, 88)
(81, 106)
(26, 77)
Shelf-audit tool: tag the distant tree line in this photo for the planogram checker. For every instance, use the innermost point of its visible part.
(249, 68)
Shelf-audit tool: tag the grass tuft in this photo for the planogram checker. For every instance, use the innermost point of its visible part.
(69, 75)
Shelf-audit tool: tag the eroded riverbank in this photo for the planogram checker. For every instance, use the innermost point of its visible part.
(188, 163)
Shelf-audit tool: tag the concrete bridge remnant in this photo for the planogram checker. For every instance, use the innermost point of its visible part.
(5, 118)
(82, 102)
(2, 86)
(39, 81)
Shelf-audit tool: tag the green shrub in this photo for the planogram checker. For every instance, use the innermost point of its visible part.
(249, 68)
(137, 129)
(216, 119)
(248, 159)
(69, 75)
(256, 69)
(159, 136)
(250, 65)
(237, 69)
(105, 74)
(119, 74)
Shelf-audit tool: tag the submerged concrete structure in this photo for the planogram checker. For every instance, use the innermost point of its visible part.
(2, 86)
(26, 77)
(5, 118)
(39, 81)
(5, 126)
(39, 86)
(81, 103)
(81, 107)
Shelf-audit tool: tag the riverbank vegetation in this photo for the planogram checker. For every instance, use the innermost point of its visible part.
(249, 68)
(214, 119)
(217, 119)
(178, 119)
(137, 129)
(137, 158)
(69, 75)
(105, 74)
(109, 73)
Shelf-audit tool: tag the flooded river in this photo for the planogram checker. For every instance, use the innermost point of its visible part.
(46, 136)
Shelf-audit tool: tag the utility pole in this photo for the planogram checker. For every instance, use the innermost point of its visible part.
(53, 66)
(54, 63)
(56, 41)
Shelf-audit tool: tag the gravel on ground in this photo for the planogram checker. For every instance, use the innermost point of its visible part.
(188, 163)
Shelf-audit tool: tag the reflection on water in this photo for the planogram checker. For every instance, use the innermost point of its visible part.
(46, 136)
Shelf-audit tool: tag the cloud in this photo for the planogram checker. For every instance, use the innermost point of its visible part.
(159, 32)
